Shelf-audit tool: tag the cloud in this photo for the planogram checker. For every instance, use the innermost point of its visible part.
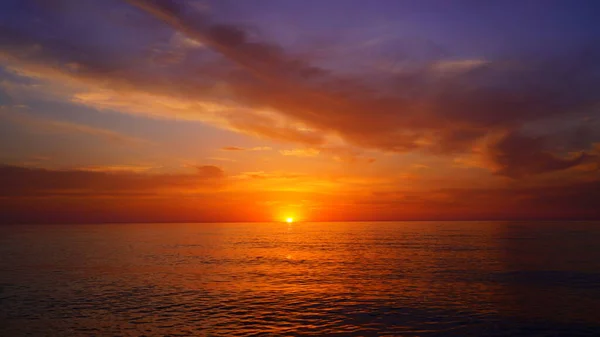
(301, 152)
(419, 167)
(454, 66)
(442, 106)
(270, 175)
(562, 201)
(222, 159)
(237, 148)
(338, 153)
(515, 155)
(261, 148)
(422, 111)
(210, 172)
(117, 168)
(42, 195)
(111, 79)
(513, 87)
(181, 41)
(232, 148)
(35, 182)
(40, 124)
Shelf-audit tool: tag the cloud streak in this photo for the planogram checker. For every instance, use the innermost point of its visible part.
(44, 125)
(35, 182)
(237, 148)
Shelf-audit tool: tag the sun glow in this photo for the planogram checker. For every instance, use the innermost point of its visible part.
(289, 220)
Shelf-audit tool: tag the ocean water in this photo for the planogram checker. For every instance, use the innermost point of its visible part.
(313, 279)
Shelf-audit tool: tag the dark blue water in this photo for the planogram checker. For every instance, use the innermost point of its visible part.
(344, 279)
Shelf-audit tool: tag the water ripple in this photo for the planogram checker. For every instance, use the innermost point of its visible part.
(393, 279)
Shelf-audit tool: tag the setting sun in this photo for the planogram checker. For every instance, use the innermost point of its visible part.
(289, 220)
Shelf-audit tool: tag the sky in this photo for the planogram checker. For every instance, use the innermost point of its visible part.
(260, 110)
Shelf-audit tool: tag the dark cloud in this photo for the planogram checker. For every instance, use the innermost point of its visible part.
(210, 172)
(515, 155)
(564, 201)
(34, 182)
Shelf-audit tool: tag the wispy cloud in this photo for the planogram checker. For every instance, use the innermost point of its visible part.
(222, 159)
(117, 168)
(232, 148)
(45, 125)
(301, 152)
(237, 148)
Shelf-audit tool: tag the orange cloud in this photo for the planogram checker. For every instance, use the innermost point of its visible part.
(117, 168)
(232, 148)
(237, 148)
(300, 152)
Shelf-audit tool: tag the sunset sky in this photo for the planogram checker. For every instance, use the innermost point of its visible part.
(320, 110)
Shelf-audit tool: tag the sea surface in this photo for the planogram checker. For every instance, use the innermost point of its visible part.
(301, 279)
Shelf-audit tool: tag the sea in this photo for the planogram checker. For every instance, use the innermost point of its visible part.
(301, 279)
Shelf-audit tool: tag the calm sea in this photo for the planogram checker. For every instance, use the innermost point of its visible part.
(344, 279)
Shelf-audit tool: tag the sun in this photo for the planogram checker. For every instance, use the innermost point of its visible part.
(289, 220)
